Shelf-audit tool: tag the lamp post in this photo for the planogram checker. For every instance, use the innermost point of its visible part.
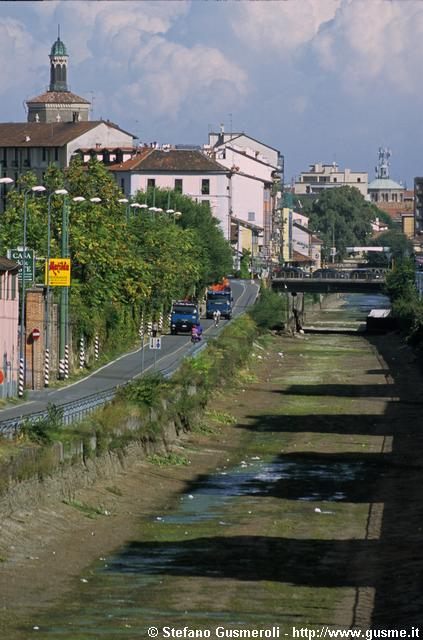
(135, 205)
(21, 383)
(64, 294)
(126, 202)
(5, 181)
(57, 192)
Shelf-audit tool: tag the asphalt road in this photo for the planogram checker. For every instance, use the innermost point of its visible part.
(129, 366)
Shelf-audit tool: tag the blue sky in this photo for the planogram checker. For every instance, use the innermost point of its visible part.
(321, 80)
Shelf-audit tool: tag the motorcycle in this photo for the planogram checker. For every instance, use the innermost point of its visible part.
(195, 336)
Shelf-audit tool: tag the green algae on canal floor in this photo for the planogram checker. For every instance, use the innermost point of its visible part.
(272, 539)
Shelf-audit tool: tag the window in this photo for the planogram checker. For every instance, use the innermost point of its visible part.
(178, 185)
(251, 216)
(122, 184)
(335, 179)
(205, 187)
(151, 183)
(44, 154)
(358, 179)
(56, 154)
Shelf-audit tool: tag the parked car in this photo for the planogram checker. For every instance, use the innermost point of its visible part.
(331, 273)
(368, 274)
(291, 272)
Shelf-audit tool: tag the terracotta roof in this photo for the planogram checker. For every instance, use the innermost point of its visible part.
(8, 265)
(316, 240)
(101, 148)
(40, 134)
(132, 163)
(54, 97)
(176, 160)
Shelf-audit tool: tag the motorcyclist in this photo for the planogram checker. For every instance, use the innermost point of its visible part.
(194, 333)
(216, 317)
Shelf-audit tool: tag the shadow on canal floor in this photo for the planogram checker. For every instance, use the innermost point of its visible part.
(389, 560)
(314, 563)
(341, 390)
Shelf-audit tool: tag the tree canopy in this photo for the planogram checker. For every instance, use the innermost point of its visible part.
(341, 217)
(123, 261)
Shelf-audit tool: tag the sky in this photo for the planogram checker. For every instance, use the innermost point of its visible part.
(320, 80)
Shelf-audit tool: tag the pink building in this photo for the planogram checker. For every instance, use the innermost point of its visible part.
(9, 320)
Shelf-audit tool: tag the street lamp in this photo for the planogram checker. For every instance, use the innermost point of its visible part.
(64, 297)
(136, 205)
(21, 383)
(6, 181)
(126, 202)
(57, 192)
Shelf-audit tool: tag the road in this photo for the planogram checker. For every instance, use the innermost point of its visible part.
(128, 366)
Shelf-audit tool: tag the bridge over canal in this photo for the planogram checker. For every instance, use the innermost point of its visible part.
(328, 285)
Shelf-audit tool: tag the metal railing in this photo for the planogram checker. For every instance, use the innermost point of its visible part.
(76, 410)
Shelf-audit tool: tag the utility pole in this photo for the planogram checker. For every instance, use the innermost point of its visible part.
(64, 298)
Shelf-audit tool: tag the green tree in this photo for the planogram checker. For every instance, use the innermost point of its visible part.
(215, 251)
(399, 247)
(120, 266)
(342, 216)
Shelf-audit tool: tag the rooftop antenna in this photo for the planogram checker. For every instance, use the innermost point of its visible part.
(230, 124)
(382, 168)
(92, 104)
(58, 31)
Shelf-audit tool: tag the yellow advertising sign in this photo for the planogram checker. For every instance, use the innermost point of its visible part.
(60, 272)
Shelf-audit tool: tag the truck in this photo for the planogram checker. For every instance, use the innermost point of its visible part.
(219, 298)
(183, 316)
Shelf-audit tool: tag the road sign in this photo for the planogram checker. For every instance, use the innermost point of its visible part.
(28, 271)
(155, 343)
(60, 272)
(36, 334)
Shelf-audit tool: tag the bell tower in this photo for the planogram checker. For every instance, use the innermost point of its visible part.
(58, 104)
(58, 65)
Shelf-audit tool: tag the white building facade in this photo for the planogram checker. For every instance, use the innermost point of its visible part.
(329, 176)
(256, 175)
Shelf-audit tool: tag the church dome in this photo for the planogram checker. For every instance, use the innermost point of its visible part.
(58, 48)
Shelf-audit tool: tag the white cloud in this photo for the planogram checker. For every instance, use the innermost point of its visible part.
(281, 26)
(169, 77)
(373, 44)
(20, 54)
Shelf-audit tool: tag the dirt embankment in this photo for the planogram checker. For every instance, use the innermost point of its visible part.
(47, 537)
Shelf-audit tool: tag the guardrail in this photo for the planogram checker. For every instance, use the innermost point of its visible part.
(375, 274)
(76, 410)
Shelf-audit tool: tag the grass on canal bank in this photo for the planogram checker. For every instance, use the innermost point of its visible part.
(143, 409)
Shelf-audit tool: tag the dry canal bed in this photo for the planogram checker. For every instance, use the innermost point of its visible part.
(311, 516)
